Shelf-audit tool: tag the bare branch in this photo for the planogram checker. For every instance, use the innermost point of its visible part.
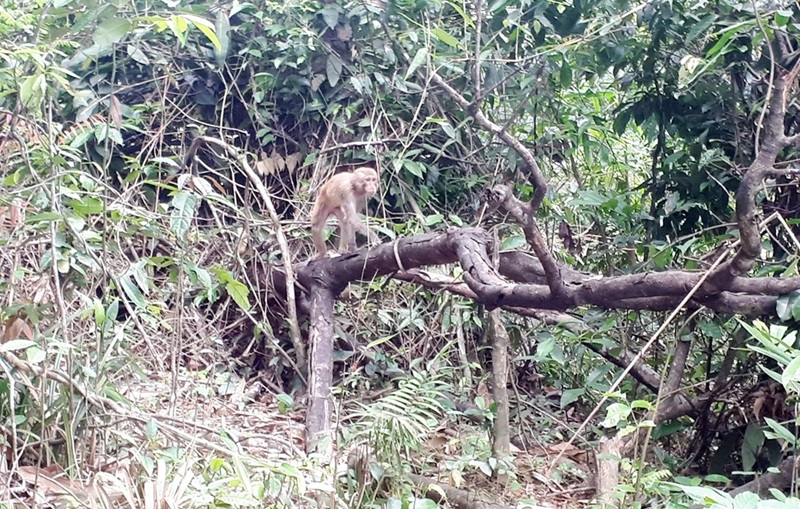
(294, 325)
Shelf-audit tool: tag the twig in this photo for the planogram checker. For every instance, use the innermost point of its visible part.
(291, 300)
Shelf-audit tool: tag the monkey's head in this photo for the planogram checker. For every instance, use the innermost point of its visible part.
(366, 181)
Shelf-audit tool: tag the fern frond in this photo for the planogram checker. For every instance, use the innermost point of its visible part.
(656, 476)
(397, 423)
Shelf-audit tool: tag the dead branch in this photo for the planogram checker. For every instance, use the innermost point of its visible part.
(653, 291)
(460, 499)
(780, 480)
(294, 326)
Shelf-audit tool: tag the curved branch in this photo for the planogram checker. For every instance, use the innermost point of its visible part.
(775, 140)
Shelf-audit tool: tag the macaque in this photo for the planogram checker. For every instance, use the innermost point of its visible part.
(344, 195)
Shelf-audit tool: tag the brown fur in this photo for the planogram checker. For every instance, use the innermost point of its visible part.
(343, 196)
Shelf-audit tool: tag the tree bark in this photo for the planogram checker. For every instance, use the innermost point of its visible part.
(499, 335)
(319, 438)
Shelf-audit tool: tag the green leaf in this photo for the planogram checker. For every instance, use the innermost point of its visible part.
(115, 136)
(791, 376)
(779, 431)
(701, 27)
(753, 440)
(151, 428)
(705, 495)
(132, 291)
(782, 17)
(464, 15)
(99, 313)
(16, 344)
(223, 30)
(445, 37)
(356, 82)
(413, 167)
(35, 355)
(616, 413)
(424, 503)
(178, 26)
(794, 302)
(456, 220)
(183, 208)
(750, 500)
(663, 259)
(778, 495)
(433, 219)
(775, 342)
(203, 276)
(137, 54)
(87, 205)
(544, 347)
(621, 122)
(44, 217)
(448, 129)
(224, 276)
(513, 242)
(333, 69)
(726, 36)
(417, 61)
(330, 13)
(565, 76)
(668, 428)
(640, 403)
(499, 4)
(139, 274)
(571, 396)
(206, 27)
(783, 307)
(32, 90)
(589, 197)
(239, 293)
(81, 138)
(111, 31)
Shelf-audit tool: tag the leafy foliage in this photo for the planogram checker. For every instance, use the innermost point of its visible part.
(641, 115)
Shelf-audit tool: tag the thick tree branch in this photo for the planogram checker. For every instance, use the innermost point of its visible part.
(526, 213)
(320, 372)
(459, 499)
(525, 216)
(524, 285)
(780, 480)
(775, 140)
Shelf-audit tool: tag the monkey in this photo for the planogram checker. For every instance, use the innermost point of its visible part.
(343, 195)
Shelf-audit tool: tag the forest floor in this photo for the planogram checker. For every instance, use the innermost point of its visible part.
(260, 428)
(162, 451)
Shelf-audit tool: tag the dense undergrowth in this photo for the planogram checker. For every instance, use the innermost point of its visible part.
(143, 360)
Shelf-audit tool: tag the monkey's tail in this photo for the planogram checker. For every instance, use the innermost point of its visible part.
(318, 219)
(315, 210)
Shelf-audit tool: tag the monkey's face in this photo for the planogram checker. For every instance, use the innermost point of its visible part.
(366, 182)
